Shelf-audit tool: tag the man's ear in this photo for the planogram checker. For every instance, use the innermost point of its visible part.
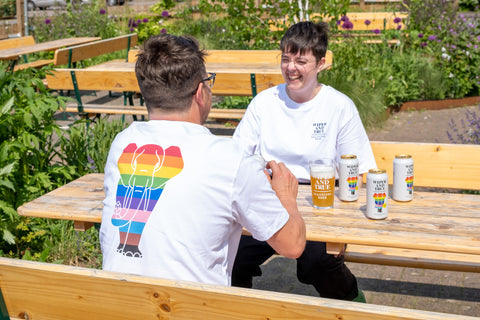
(198, 96)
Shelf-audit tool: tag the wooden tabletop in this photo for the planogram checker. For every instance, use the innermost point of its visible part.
(13, 53)
(445, 222)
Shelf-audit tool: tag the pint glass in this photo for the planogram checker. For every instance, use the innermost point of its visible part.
(322, 176)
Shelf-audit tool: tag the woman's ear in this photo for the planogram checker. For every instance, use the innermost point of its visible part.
(321, 65)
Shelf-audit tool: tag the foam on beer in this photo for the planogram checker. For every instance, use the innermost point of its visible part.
(322, 172)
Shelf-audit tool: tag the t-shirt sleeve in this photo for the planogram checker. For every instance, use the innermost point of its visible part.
(256, 206)
(247, 133)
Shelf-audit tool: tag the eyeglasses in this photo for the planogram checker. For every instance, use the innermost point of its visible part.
(210, 80)
(300, 62)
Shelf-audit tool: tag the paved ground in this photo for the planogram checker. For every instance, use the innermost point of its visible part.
(440, 291)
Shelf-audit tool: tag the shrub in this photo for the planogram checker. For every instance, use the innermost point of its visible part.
(451, 39)
(36, 156)
(78, 20)
(469, 133)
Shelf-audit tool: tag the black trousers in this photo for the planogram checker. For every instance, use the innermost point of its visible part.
(329, 275)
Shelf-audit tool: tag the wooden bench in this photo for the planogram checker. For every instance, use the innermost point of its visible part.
(35, 290)
(236, 84)
(122, 79)
(71, 55)
(20, 42)
(439, 166)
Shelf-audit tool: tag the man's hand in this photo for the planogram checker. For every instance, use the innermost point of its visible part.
(283, 182)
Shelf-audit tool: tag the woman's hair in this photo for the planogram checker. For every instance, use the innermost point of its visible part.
(169, 70)
(306, 36)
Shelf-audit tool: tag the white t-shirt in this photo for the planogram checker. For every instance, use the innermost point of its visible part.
(328, 126)
(176, 200)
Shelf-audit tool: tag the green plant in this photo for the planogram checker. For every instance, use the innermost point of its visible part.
(232, 102)
(85, 144)
(469, 133)
(452, 39)
(367, 99)
(27, 152)
(7, 8)
(85, 20)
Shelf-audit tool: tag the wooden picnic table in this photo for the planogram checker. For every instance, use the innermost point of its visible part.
(433, 221)
(13, 54)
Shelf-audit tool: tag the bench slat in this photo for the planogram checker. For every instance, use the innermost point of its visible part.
(435, 165)
(33, 64)
(48, 291)
(413, 258)
(94, 49)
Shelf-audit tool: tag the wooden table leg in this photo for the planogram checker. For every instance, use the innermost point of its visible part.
(82, 225)
(334, 247)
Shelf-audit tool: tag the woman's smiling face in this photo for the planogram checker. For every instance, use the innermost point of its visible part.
(300, 74)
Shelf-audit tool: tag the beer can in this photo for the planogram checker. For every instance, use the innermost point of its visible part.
(377, 194)
(348, 178)
(403, 177)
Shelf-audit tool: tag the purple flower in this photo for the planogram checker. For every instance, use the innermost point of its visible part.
(139, 21)
(399, 27)
(163, 30)
(344, 18)
(454, 46)
(367, 22)
(164, 13)
(130, 22)
(397, 20)
(376, 31)
(145, 20)
(131, 29)
(134, 25)
(339, 22)
(423, 44)
(48, 21)
(102, 11)
(420, 35)
(348, 25)
(432, 37)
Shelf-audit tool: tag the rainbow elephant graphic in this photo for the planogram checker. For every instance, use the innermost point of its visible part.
(144, 171)
(352, 184)
(380, 201)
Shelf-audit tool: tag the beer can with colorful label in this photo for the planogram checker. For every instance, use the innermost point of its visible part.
(402, 178)
(348, 178)
(377, 194)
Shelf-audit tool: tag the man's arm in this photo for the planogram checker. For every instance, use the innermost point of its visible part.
(290, 240)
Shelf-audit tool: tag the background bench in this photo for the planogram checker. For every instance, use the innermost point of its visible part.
(242, 84)
(71, 55)
(440, 166)
(34, 290)
(20, 42)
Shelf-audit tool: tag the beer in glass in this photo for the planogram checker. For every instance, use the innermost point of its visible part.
(322, 176)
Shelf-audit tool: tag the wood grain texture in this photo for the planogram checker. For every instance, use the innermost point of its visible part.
(443, 222)
(40, 291)
(16, 42)
(435, 165)
(13, 53)
(94, 49)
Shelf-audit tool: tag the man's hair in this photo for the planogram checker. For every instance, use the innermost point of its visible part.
(306, 36)
(169, 70)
